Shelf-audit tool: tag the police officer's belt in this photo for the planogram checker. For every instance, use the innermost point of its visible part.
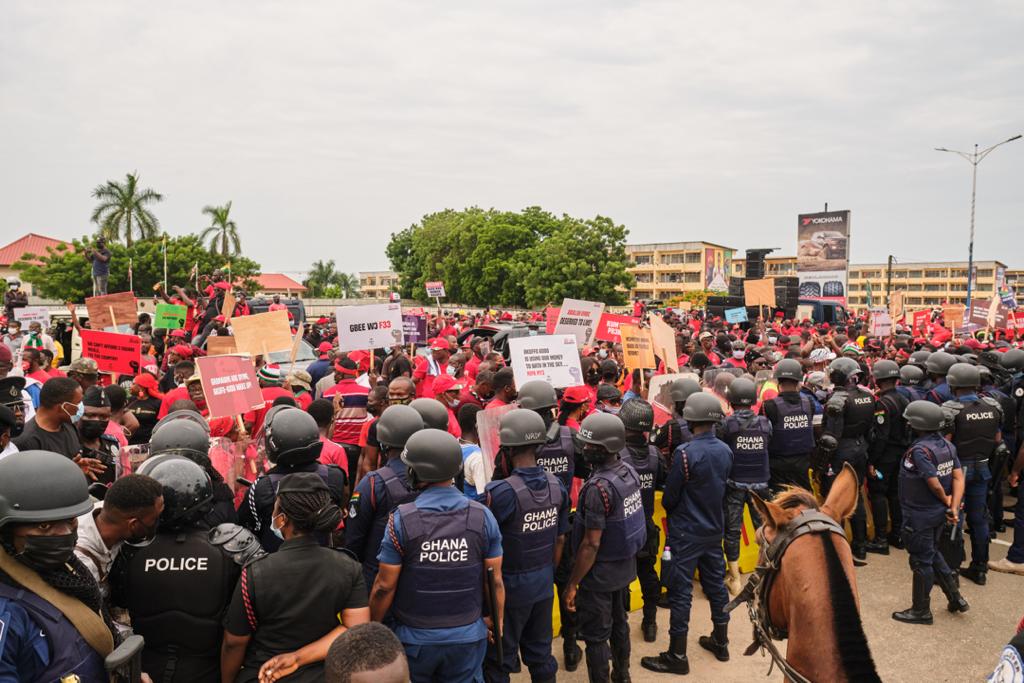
(755, 593)
(89, 624)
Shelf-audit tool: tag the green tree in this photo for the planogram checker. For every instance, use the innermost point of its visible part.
(64, 275)
(222, 229)
(122, 210)
(324, 280)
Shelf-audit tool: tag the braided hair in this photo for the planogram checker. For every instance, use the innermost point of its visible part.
(310, 510)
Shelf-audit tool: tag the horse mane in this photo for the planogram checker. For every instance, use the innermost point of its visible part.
(851, 642)
(793, 497)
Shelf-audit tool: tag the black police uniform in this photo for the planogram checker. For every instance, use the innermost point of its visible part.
(671, 435)
(646, 460)
(291, 598)
(849, 418)
(789, 449)
(890, 439)
(1001, 460)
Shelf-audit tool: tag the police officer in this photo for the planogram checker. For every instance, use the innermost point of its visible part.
(792, 416)
(637, 417)
(937, 365)
(607, 533)
(432, 566)
(1001, 457)
(747, 436)
(694, 495)
(846, 428)
(890, 439)
(975, 433)
(41, 495)
(911, 381)
(292, 444)
(188, 438)
(383, 489)
(675, 432)
(931, 486)
(92, 427)
(531, 507)
(177, 587)
(434, 415)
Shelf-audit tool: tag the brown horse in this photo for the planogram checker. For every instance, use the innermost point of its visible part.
(813, 595)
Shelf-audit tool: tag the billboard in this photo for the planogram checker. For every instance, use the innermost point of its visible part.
(823, 254)
(717, 267)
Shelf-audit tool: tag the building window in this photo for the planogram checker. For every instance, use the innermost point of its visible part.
(985, 273)
(644, 277)
(691, 277)
(693, 257)
(913, 288)
(935, 273)
(914, 273)
(935, 288)
(643, 260)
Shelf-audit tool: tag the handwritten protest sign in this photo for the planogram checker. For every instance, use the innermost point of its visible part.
(608, 326)
(169, 317)
(550, 319)
(219, 346)
(262, 333)
(579, 318)
(921, 320)
(227, 309)
(637, 347)
(552, 358)
(414, 327)
(759, 292)
(33, 314)
(664, 338)
(881, 322)
(369, 327)
(122, 306)
(115, 353)
(736, 315)
(229, 383)
(434, 289)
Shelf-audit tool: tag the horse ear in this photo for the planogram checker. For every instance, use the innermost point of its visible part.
(842, 498)
(772, 515)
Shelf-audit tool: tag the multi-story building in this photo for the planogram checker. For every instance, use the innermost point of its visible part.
(668, 269)
(378, 284)
(922, 284)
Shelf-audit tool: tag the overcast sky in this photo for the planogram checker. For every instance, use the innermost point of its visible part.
(331, 124)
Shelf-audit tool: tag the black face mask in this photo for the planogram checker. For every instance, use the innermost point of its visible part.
(93, 429)
(594, 455)
(47, 553)
(593, 378)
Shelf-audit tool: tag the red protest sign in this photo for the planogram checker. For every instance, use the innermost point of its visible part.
(551, 319)
(115, 353)
(921, 319)
(229, 383)
(608, 326)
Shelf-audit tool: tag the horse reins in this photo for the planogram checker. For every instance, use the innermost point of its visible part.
(755, 593)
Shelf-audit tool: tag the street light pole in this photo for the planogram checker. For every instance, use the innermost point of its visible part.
(974, 158)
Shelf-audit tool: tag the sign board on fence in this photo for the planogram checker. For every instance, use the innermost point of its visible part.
(230, 386)
(580, 318)
(262, 333)
(169, 317)
(759, 292)
(664, 338)
(736, 315)
(33, 314)
(415, 329)
(122, 305)
(378, 326)
(114, 353)
(881, 322)
(227, 309)
(607, 327)
(434, 289)
(552, 358)
(220, 346)
(637, 347)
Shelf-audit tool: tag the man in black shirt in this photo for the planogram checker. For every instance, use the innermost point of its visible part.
(53, 426)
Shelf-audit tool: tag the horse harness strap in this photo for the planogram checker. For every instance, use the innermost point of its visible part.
(755, 593)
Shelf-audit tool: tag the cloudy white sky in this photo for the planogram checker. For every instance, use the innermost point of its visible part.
(331, 124)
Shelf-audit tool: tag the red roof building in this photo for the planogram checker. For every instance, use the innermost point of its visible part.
(29, 244)
(278, 283)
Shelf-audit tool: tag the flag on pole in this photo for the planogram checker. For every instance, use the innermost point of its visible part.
(867, 296)
(131, 279)
(165, 262)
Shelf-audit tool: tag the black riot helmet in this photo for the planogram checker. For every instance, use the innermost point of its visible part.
(637, 415)
(435, 415)
(924, 416)
(682, 389)
(182, 415)
(291, 436)
(432, 455)
(537, 395)
(919, 358)
(188, 491)
(789, 368)
(939, 363)
(704, 407)
(180, 436)
(963, 376)
(1013, 360)
(911, 375)
(742, 392)
(885, 369)
(603, 430)
(842, 370)
(396, 424)
(41, 486)
(522, 427)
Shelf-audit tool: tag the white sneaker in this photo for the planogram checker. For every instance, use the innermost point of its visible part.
(1004, 565)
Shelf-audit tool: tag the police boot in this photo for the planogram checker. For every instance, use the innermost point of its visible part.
(857, 547)
(718, 642)
(620, 670)
(879, 544)
(921, 612)
(572, 653)
(896, 540)
(649, 625)
(978, 573)
(672, 662)
(957, 603)
(732, 578)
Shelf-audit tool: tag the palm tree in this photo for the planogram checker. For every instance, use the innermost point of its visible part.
(349, 285)
(223, 230)
(323, 276)
(122, 209)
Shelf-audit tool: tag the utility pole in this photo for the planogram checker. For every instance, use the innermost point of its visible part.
(888, 282)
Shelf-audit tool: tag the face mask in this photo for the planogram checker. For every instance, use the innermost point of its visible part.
(277, 531)
(455, 404)
(611, 410)
(399, 401)
(78, 414)
(485, 349)
(93, 429)
(46, 553)
(593, 454)
(739, 354)
(603, 353)
(773, 340)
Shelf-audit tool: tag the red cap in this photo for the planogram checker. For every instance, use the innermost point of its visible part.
(439, 344)
(973, 344)
(219, 319)
(182, 350)
(576, 395)
(222, 285)
(587, 351)
(443, 383)
(324, 348)
(178, 333)
(149, 383)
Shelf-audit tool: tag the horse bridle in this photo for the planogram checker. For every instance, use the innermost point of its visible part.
(756, 592)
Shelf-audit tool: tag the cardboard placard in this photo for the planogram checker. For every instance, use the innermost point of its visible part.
(664, 338)
(220, 346)
(736, 315)
(896, 309)
(262, 333)
(414, 327)
(759, 292)
(434, 289)
(637, 347)
(227, 309)
(608, 326)
(378, 326)
(32, 314)
(881, 322)
(169, 317)
(579, 318)
(953, 315)
(122, 305)
(114, 353)
(552, 358)
(230, 386)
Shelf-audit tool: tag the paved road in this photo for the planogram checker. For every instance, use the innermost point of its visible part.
(962, 647)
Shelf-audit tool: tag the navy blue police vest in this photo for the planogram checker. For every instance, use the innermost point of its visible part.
(528, 536)
(265, 500)
(625, 530)
(913, 490)
(793, 431)
(396, 492)
(748, 436)
(645, 463)
(558, 457)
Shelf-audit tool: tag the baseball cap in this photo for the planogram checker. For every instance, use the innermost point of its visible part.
(705, 335)
(578, 394)
(84, 366)
(445, 383)
(439, 344)
(178, 333)
(324, 348)
(608, 392)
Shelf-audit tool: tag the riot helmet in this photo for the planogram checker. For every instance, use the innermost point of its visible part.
(431, 455)
(704, 407)
(522, 427)
(911, 375)
(924, 416)
(842, 370)
(637, 415)
(188, 491)
(789, 368)
(603, 431)
(435, 415)
(537, 395)
(742, 392)
(291, 436)
(963, 376)
(396, 424)
(885, 369)
(939, 363)
(41, 486)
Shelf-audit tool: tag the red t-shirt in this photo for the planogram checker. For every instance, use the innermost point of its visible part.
(270, 394)
(333, 454)
(175, 394)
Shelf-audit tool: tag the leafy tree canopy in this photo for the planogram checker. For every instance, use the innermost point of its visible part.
(507, 258)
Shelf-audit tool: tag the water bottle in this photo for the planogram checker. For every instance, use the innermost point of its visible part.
(666, 555)
(666, 563)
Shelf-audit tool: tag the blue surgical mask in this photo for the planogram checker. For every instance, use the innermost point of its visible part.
(276, 530)
(78, 414)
